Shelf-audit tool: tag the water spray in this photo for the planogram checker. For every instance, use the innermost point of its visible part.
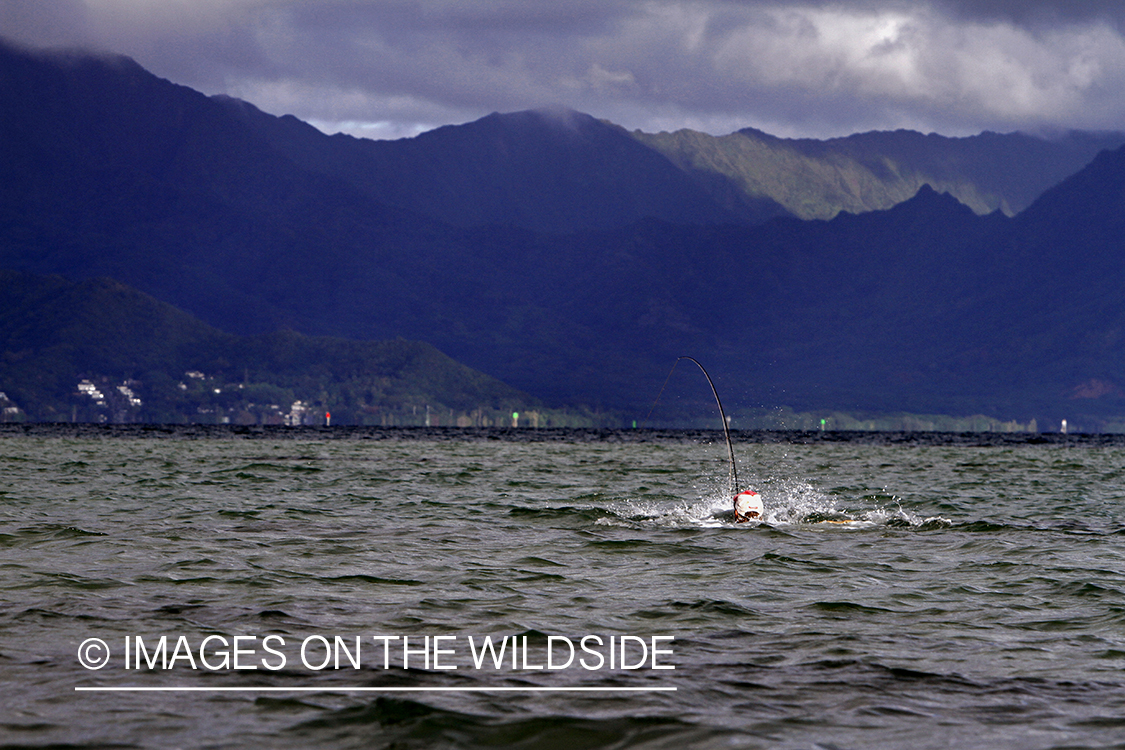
(748, 503)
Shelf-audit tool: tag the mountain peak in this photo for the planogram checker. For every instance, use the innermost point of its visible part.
(928, 203)
(550, 169)
(928, 195)
(523, 124)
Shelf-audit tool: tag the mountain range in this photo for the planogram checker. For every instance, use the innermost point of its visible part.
(560, 170)
(574, 260)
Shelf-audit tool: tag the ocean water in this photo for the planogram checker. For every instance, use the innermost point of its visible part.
(903, 591)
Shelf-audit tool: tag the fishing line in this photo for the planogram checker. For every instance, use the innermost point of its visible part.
(661, 393)
(722, 415)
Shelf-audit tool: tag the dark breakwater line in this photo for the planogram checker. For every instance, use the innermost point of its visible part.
(552, 434)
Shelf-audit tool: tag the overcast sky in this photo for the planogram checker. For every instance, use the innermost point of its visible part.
(391, 68)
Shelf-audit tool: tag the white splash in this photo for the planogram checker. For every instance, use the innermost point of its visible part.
(788, 502)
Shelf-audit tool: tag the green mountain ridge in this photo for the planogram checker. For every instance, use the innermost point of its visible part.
(141, 360)
(874, 171)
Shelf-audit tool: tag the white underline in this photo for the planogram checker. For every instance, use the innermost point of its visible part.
(348, 689)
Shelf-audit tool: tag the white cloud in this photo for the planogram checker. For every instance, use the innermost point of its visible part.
(909, 65)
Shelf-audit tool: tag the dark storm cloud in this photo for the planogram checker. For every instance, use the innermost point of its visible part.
(396, 66)
(1038, 11)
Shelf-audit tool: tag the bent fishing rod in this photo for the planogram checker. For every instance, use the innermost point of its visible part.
(747, 504)
(726, 426)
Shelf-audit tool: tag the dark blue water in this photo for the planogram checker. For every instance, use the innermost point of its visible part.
(903, 591)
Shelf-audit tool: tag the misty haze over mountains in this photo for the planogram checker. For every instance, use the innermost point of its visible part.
(574, 260)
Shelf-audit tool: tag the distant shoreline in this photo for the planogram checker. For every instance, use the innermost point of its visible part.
(552, 434)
